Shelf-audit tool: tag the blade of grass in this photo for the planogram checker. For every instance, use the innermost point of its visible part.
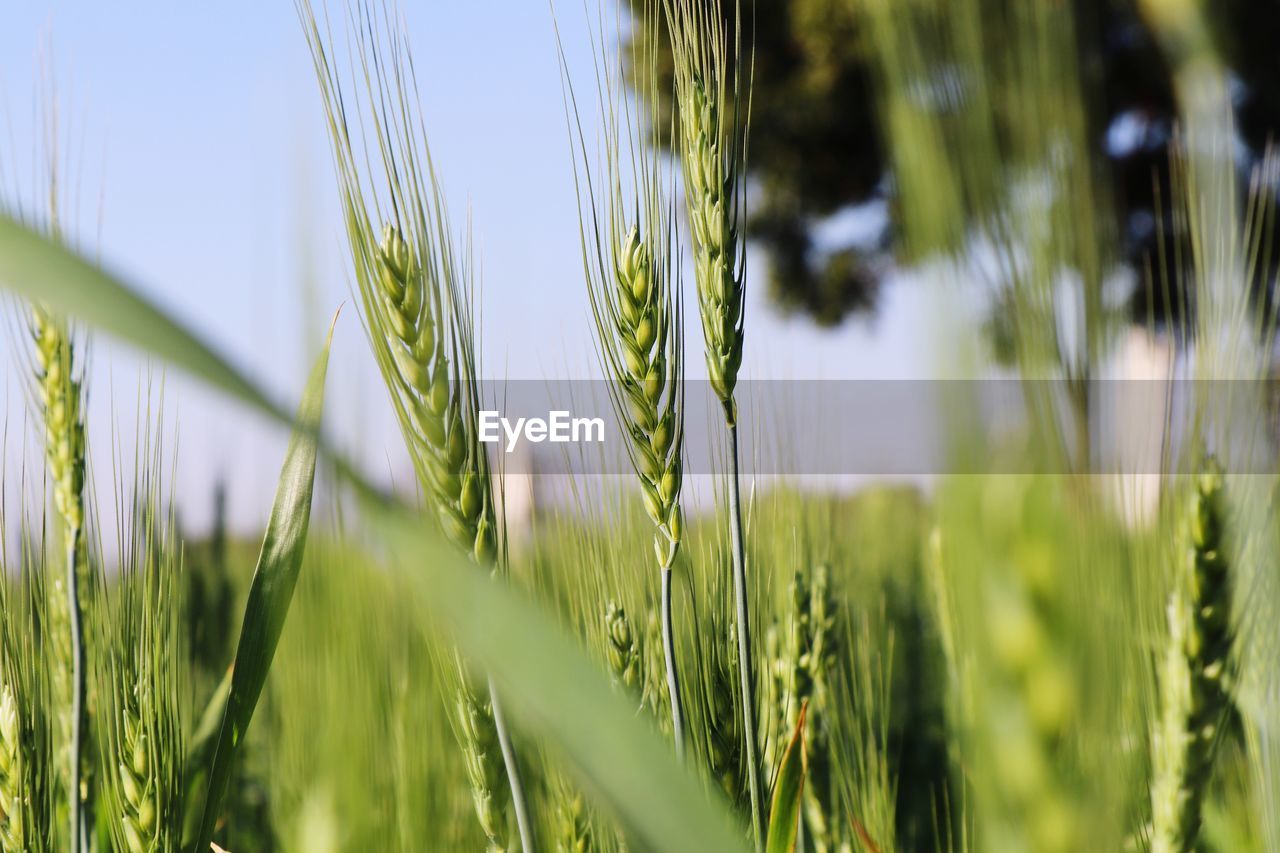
(270, 593)
(788, 795)
(35, 267)
(200, 758)
(553, 686)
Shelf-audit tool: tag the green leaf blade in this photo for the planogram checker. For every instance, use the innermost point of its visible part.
(788, 795)
(39, 269)
(270, 593)
(199, 759)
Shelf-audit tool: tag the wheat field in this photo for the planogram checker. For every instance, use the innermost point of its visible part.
(1031, 646)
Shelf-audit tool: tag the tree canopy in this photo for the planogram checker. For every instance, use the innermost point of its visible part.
(817, 157)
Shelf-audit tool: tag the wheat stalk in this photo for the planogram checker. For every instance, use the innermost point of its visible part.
(438, 397)
(60, 399)
(630, 261)
(415, 293)
(713, 141)
(637, 321)
(1192, 677)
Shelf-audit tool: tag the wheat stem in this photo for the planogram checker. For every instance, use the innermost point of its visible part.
(76, 822)
(743, 630)
(524, 823)
(673, 673)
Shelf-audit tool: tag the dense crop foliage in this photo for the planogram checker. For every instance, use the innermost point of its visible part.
(1026, 654)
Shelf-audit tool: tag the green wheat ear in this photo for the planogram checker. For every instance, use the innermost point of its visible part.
(12, 793)
(803, 671)
(1192, 677)
(631, 264)
(713, 215)
(573, 824)
(643, 352)
(140, 826)
(724, 718)
(435, 396)
(60, 398)
(482, 757)
(26, 771)
(141, 757)
(709, 97)
(623, 650)
(141, 677)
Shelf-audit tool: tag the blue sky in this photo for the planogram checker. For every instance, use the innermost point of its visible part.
(206, 182)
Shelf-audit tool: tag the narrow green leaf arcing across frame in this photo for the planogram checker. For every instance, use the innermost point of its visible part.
(623, 762)
(271, 591)
(34, 268)
(788, 795)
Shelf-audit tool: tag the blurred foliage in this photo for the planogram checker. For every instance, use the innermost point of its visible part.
(886, 732)
(377, 768)
(816, 152)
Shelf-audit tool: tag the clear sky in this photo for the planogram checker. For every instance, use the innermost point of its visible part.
(204, 179)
